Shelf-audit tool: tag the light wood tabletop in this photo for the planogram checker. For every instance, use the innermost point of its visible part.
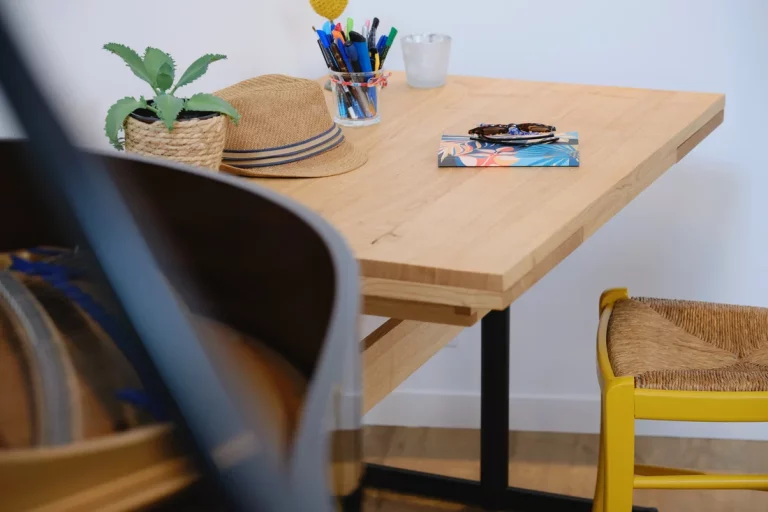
(448, 244)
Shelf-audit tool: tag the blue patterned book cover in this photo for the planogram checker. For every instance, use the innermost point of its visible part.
(462, 151)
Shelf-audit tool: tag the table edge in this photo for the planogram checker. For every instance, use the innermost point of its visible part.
(495, 291)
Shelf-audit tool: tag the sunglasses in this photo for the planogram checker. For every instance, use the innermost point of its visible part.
(515, 133)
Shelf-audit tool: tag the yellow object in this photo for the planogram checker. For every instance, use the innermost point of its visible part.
(377, 62)
(329, 9)
(622, 404)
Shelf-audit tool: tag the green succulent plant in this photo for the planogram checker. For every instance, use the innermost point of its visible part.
(158, 69)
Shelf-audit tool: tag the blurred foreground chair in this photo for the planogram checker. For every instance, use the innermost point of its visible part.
(674, 360)
(266, 273)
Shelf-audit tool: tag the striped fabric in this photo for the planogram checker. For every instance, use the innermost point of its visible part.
(250, 159)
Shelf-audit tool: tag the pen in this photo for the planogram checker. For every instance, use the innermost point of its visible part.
(354, 105)
(390, 40)
(344, 56)
(352, 108)
(325, 56)
(320, 42)
(341, 100)
(340, 61)
(350, 25)
(326, 46)
(381, 44)
(375, 61)
(360, 44)
(354, 57)
(372, 33)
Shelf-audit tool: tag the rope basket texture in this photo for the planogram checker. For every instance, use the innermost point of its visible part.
(683, 345)
(197, 142)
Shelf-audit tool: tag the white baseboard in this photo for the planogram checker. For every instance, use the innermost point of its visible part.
(547, 413)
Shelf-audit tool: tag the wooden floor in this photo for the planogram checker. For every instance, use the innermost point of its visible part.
(563, 463)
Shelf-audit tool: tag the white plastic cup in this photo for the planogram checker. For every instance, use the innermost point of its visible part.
(426, 59)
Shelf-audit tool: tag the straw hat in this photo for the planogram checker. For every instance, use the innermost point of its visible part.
(285, 131)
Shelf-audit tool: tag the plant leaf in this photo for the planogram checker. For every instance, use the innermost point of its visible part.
(209, 103)
(154, 61)
(164, 79)
(116, 116)
(168, 108)
(132, 59)
(197, 69)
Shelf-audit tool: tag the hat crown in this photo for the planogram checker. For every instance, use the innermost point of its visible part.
(285, 131)
(276, 110)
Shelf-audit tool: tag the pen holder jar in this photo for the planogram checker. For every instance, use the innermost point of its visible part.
(357, 97)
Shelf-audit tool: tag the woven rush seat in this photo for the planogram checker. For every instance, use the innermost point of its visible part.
(689, 346)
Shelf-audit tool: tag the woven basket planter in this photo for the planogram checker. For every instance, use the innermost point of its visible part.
(197, 142)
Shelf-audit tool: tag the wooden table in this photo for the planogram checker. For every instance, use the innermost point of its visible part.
(440, 248)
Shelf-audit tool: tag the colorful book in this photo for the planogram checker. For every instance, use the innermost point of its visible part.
(463, 151)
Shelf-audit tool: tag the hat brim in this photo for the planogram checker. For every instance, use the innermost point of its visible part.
(343, 158)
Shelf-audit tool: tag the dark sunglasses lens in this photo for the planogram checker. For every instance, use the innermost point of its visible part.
(535, 127)
(493, 130)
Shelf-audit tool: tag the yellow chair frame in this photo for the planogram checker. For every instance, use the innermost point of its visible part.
(622, 404)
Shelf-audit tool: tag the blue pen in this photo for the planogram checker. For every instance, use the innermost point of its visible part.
(381, 44)
(354, 58)
(343, 52)
(323, 38)
(360, 44)
(363, 58)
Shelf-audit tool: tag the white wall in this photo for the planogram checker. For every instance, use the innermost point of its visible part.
(64, 39)
(696, 233)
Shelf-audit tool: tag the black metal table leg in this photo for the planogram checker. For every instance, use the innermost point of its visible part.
(494, 408)
(492, 491)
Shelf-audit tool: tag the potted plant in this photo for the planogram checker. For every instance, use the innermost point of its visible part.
(189, 130)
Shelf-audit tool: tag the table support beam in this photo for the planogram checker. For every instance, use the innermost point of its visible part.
(397, 349)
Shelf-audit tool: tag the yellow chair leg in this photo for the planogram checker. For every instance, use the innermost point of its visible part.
(597, 504)
(619, 432)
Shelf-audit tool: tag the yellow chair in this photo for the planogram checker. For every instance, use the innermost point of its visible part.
(674, 360)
